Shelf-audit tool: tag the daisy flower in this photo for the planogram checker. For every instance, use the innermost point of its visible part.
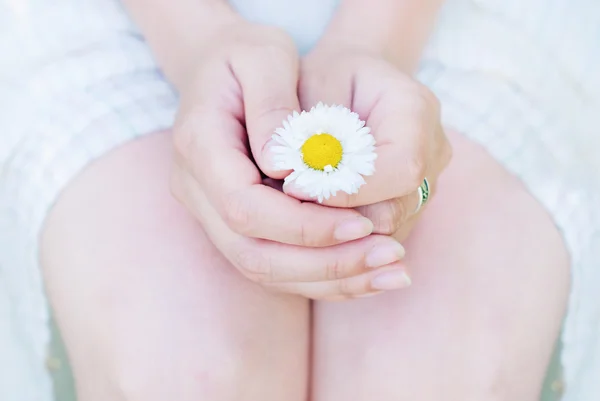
(328, 149)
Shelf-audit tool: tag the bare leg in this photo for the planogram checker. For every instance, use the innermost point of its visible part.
(490, 282)
(149, 310)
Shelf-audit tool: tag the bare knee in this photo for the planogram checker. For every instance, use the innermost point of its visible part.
(224, 374)
(479, 323)
(148, 308)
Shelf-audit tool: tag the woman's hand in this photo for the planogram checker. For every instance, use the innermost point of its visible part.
(242, 88)
(405, 120)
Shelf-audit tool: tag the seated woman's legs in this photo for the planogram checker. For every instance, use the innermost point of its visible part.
(490, 284)
(149, 310)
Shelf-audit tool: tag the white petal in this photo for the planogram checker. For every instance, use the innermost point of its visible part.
(358, 145)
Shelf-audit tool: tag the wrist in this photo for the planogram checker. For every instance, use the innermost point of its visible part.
(206, 33)
(336, 42)
(179, 35)
(390, 49)
(395, 30)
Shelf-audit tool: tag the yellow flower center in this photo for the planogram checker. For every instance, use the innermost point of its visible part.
(322, 150)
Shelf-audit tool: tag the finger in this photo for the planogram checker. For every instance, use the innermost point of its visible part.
(218, 160)
(399, 171)
(406, 229)
(391, 277)
(270, 262)
(388, 216)
(262, 212)
(268, 77)
(392, 215)
(404, 122)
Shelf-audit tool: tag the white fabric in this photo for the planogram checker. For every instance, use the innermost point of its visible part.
(522, 77)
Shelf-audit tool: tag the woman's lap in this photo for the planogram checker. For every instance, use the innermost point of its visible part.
(490, 282)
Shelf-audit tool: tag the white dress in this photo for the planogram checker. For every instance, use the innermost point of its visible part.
(521, 77)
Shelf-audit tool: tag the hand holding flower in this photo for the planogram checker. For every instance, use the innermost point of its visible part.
(239, 93)
(404, 118)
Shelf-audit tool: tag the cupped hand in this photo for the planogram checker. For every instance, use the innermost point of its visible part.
(243, 87)
(405, 120)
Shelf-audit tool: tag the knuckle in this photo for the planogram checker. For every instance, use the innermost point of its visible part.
(186, 133)
(304, 236)
(447, 153)
(426, 96)
(253, 265)
(345, 201)
(423, 101)
(182, 136)
(272, 45)
(399, 213)
(283, 50)
(236, 213)
(272, 105)
(334, 269)
(389, 216)
(420, 105)
(307, 233)
(345, 287)
(386, 226)
(282, 41)
(350, 201)
(416, 170)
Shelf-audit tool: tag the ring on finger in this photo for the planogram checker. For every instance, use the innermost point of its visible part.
(423, 192)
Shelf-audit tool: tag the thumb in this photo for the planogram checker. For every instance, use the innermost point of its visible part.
(269, 79)
(315, 88)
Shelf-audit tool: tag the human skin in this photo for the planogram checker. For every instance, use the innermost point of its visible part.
(150, 310)
(179, 309)
(241, 80)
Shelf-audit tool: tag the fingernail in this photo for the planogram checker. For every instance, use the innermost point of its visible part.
(291, 189)
(391, 280)
(384, 254)
(269, 156)
(354, 228)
